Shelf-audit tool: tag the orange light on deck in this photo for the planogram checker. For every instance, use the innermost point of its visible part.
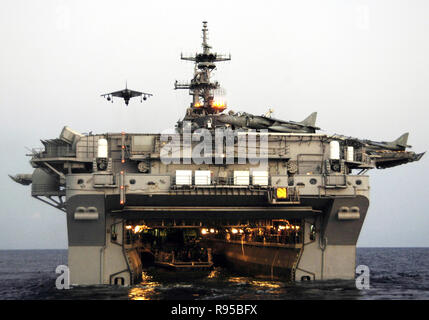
(128, 227)
(121, 202)
(198, 105)
(234, 231)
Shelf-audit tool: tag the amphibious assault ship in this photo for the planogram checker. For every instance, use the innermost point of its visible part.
(267, 197)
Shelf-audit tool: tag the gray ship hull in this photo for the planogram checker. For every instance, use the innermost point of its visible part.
(99, 253)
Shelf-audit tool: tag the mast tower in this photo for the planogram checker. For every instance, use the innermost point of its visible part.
(201, 88)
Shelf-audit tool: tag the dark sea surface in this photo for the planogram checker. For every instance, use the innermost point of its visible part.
(395, 273)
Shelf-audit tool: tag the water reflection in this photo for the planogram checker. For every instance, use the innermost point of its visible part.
(213, 274)
(222, 284)
(145, 290)
(255, 283)
(239, 280)
(265, 284)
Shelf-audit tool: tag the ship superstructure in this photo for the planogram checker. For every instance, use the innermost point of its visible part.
(270, 197)
(201, 87)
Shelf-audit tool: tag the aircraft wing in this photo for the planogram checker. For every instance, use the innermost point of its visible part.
(281, 122)
(134, 93)
(278, 121)
(115, 94)
(122, 93)
(147, 94)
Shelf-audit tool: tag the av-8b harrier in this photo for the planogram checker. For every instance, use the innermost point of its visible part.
(249, 121)
(126, 94)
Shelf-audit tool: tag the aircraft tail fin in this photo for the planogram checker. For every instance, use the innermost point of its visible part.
(401, 141)
(310, 121)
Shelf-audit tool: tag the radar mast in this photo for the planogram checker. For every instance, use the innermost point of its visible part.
(201, 88)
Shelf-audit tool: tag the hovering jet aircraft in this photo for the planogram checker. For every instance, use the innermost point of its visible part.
(126, 94)
(249, 121)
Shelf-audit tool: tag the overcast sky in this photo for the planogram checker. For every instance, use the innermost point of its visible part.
(362, 65)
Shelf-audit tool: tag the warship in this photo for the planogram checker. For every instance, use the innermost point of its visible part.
(264, 196)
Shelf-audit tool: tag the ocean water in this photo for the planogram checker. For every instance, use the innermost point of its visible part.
(395, 273)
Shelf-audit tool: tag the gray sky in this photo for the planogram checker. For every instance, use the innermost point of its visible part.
(363, 65)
